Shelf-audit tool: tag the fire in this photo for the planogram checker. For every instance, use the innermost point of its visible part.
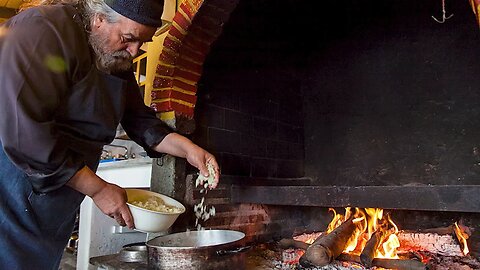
(337, 219)
(389, 248)
(462, 237)
(372, 226)
(369, 221)
(357, 239)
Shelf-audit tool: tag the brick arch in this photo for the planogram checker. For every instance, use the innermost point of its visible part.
(196, 25)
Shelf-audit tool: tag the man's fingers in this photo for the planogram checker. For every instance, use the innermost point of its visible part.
(120, 221)
(203, 169)
(124, 218)
(128, 219)
(216, 168)
(118, 218)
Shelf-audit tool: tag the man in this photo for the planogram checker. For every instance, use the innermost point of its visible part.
(65, 85)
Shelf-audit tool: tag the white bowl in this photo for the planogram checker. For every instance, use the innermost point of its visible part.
(147, 220)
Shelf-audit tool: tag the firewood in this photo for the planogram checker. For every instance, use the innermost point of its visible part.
(326, 248)
(399, 264)
(368, 252)
(290, 243)
(349, 258)
(386, 263)
(440, 230)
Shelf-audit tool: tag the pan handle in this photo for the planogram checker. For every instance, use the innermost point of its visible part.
(232, 251)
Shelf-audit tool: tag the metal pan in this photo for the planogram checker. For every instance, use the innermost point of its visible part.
(198, 250)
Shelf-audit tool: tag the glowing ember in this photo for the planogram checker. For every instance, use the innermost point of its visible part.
(308, 238)
(290, 256)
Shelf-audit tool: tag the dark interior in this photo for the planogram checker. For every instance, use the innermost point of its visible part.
(344, 93)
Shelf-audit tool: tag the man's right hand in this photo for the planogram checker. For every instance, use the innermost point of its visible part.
(110, 198)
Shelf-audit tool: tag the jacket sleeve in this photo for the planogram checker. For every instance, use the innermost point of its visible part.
(33, 78)
(140, 122)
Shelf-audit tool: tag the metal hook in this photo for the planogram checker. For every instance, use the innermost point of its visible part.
(444, 16)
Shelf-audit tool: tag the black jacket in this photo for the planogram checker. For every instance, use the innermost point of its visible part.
(56, 109)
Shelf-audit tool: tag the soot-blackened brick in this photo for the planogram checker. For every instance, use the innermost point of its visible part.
(263, 167)
(291, 117)
(235, 164)
(200, 136)
(271, 149)
(264, 128)
(282, 150)
(224, 141)
(290, 168)
(264, 108)
(218, 97)
(210, 115)
(290, 151)
(289, 133)
(237, 121)
(254, 146)
(214, 193)
(297, 151)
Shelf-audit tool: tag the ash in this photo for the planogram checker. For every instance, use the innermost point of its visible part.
(336, 265)
(268, 256)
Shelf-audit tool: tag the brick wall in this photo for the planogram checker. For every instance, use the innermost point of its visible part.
(252, 121)
(196, 25)
(254, 127)
(249, 113)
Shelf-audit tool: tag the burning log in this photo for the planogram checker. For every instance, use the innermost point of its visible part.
(386, 263)
(326, 248)
(440, 230)
(399, 264)
(368, 253)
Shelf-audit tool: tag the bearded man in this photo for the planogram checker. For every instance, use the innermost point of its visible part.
(65, 85)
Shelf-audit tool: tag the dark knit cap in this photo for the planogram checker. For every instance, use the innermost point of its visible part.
(147, 12)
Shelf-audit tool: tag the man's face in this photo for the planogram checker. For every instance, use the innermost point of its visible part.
(116, 44)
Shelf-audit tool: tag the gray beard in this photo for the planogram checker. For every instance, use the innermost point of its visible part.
(109, 62)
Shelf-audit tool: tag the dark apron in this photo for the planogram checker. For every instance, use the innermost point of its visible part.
(35, 228)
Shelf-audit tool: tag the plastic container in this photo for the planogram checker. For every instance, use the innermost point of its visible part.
(151, 221)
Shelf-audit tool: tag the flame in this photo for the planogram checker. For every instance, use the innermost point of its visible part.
(336, 221)
(353, 243)
(389, 248)
(375, 215)
(368, 221)
(462, 237)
